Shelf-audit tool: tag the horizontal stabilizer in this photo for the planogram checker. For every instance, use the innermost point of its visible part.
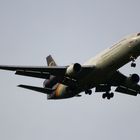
(38, 89)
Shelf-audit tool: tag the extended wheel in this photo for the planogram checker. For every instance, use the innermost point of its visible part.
(111, 94)
(133, 65)
(104, 96)
(86, 92)
(108, 97)
(89, 92)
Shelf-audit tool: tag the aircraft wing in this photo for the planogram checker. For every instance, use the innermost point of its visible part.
(37, 72)
(45, 72)
(119, 80)
(53, 70)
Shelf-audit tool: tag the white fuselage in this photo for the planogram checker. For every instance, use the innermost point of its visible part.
(106, 63)
(110, 60)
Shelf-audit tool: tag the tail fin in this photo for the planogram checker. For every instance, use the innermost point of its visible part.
(50, 61)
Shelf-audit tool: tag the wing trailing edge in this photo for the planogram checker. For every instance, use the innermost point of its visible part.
(43, 75)
(125, 90)
(53, 70)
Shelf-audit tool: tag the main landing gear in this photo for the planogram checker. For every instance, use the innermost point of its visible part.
(89, 92)
(133, 64)
(108, 95)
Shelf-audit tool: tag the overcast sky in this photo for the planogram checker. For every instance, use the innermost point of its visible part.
(72, 31)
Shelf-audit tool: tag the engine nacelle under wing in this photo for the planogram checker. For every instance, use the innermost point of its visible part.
(73, 70)
(131, 81)
(134, 78)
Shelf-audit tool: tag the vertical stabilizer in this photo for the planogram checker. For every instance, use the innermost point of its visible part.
(50, 61)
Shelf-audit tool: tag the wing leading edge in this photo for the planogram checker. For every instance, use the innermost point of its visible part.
(45, 72)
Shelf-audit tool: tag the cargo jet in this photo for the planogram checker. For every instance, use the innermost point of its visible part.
(100, 72)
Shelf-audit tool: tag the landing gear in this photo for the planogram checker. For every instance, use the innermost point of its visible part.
(89, 92)
(133, 59)
(133, 64)
(108, 95)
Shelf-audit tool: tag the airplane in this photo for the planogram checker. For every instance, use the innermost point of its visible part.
(100, 72)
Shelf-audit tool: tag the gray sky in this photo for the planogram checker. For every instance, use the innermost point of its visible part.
(72, 31)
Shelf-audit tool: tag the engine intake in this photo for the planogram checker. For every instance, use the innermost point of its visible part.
(134, 78)
(73, 70)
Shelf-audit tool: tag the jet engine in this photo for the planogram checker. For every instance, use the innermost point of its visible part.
(73, 70)
(134, 78)
(49, 83)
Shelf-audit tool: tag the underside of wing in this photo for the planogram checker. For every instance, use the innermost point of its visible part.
(53, 70)
(36, 74)
(125, 90)
(125, 84)
(64, 73)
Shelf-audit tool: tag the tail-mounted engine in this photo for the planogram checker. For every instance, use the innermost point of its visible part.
(73, 70)
(49, 83)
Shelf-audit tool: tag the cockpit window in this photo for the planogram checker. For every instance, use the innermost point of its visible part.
(138, 34)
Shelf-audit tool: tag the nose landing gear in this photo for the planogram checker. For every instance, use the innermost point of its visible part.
(133, 59)
(133, 64)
